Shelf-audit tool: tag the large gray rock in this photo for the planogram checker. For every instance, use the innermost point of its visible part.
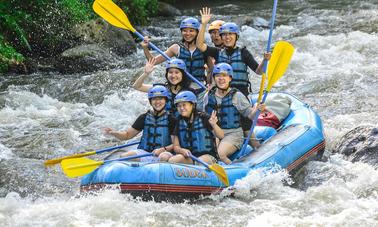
(86, 58)
(106, 35)
(360, 144)
(103, 47)
(167, 10)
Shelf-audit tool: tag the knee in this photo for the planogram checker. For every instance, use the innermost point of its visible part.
(164, 157)
(222, 154)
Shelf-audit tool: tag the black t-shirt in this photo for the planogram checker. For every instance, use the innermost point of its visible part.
(247, 57)
(205, 119)
(139, 123)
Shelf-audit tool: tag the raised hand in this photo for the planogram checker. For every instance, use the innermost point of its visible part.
(205, 15)
(108, 130)
(267, 56)
(213, 118)
(149, 67)
(145, 42)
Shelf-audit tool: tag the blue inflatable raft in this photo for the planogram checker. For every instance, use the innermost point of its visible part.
(299, 138)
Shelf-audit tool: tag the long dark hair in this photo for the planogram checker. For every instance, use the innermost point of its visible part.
(185, 81)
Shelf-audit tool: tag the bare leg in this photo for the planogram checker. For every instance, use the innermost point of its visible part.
(207, 158)
(165, 156)
(130, 153)
(252, 141)
(225, 150)
(179, 158)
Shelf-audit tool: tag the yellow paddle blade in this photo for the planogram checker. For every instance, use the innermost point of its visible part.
(262, 85)
(112, 14)
(221, 173)
(51, 162)
(279, 62)
(79, 166)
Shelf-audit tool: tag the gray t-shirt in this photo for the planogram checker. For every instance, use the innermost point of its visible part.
(240, 102)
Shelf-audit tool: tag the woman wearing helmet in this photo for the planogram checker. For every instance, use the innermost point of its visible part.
(185, 50)
(214, 33)
(157, 126)
(230, 105)
(176, 81)
(239, 58)
(194, 131)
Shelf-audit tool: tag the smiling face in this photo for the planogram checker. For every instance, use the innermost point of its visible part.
(215, 37)
(229, 39)
(222, 80)
(185, 108)
(189, 34)
(174, 76)
(158, 103)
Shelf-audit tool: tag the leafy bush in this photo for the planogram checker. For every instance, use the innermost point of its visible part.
(8, 55)
(139, 11)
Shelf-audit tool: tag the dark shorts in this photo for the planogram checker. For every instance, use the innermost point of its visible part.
(246, 123)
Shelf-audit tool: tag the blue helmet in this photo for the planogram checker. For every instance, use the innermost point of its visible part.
(229, 27)
(185, 96)
(190, 22)
(158, 91)
(223, 68)
(176, 63)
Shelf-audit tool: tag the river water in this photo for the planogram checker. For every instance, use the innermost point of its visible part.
(334, 69)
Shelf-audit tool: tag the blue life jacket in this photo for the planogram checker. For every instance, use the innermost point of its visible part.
(170, 107)
(194, 62)
(155, 132)
(240, 76)
(195, 137)
(228, 115)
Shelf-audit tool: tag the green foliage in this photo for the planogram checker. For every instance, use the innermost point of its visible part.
(8, 55)
(43, 28)
(139, 11)
(78, 10)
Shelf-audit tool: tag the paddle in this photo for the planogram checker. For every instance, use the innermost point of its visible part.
(268, 49)
(278, 64)
(81, 166)
(58, 160)
(110, 12)
(217, 169)
(263, 78)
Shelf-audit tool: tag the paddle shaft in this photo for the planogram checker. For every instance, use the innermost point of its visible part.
(129, 158)
(270, 32)
(116, 147)
(265, 69)
(199, 160)
(98, 163)
(168, 58)
(88, 153)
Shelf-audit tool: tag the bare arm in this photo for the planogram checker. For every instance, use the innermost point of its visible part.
(178, 149)
(205, 18)
(148, 68)
(210, 66)
(158, 59)
(254, 109)
(125, 135)
(260, 68)
(146, 51)
(171, 52)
